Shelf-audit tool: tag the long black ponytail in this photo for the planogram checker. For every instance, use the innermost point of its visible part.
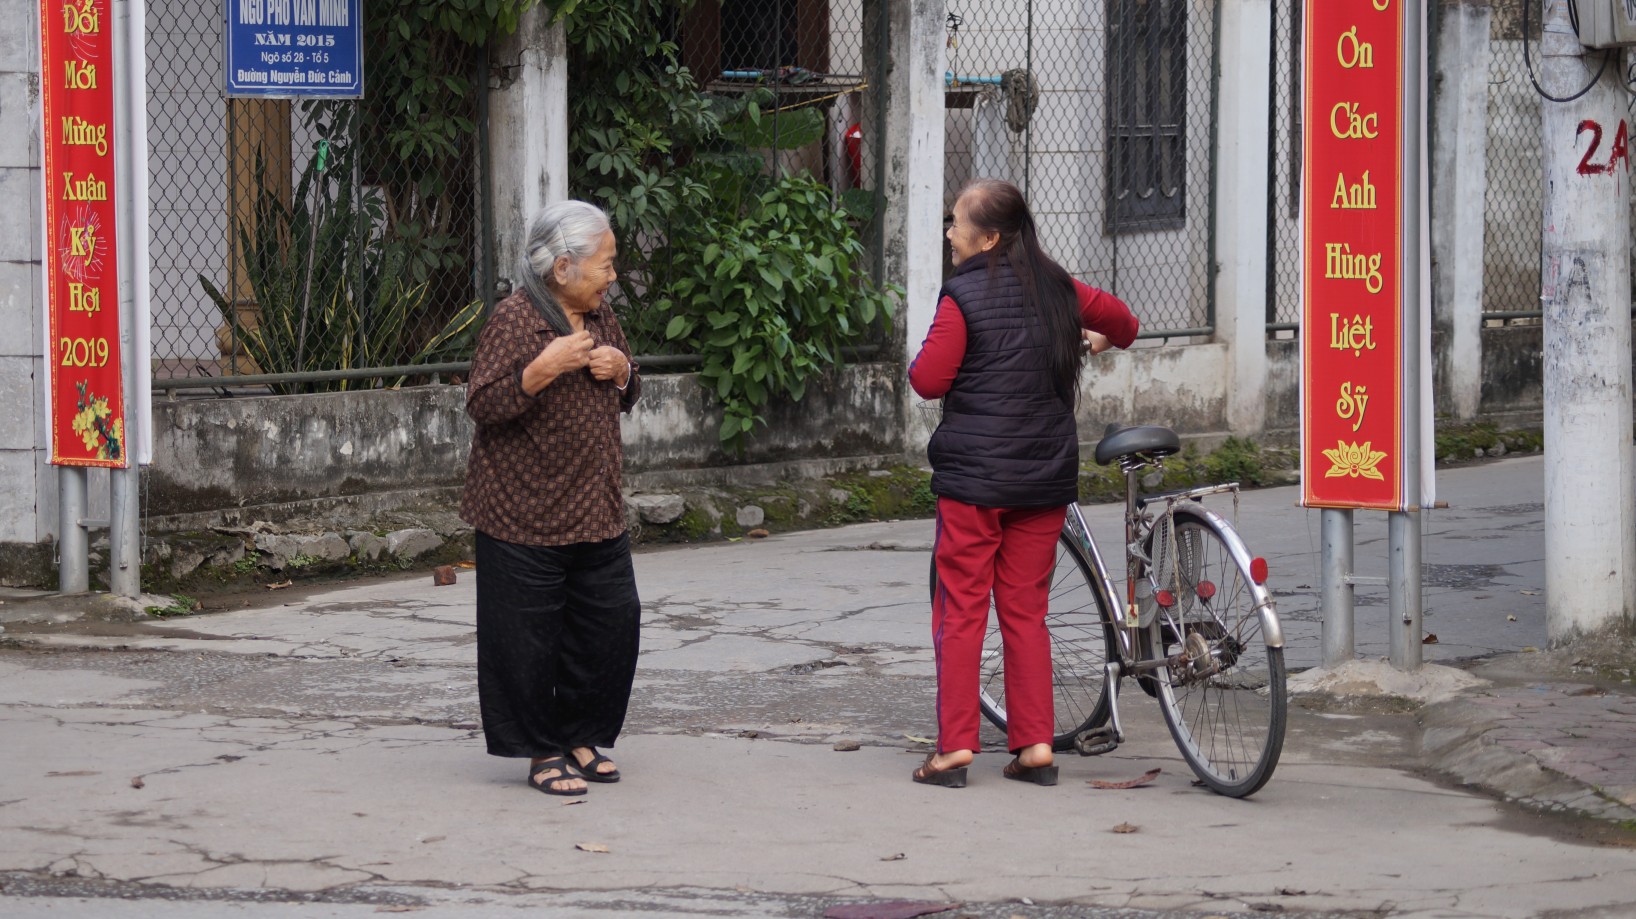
(996, 206)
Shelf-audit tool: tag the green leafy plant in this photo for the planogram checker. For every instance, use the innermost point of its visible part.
(328, 287)
(759, 275)
(456, 341)
(770, 299)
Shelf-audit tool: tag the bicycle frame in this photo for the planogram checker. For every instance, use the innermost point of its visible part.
(1126, 615)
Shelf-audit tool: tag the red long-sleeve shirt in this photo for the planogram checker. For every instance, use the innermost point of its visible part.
(933, 370)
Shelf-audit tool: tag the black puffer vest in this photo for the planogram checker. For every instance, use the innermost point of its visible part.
(1007, 439)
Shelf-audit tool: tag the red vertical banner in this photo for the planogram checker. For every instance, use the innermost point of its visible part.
(1352, 435)
(82, 287)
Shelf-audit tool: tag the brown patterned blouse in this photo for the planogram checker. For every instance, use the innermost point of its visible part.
(544, 469)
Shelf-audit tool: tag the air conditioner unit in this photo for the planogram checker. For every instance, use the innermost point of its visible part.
(1606, 23)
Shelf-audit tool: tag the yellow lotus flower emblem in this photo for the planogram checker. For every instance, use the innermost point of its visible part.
(1354, 460)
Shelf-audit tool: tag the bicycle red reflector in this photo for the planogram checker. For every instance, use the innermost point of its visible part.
(1258, 570)
(1206, 589)
(1166, 598)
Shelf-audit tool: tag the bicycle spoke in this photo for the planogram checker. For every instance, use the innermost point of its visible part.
(1227, 714)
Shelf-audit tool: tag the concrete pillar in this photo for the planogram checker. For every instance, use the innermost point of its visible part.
(528, 130)
(1459, 186)
(28, 484)
(1241, 207)
(1590, 521)
(913, 150)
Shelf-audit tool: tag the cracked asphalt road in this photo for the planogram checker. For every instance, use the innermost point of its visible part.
(321, 757)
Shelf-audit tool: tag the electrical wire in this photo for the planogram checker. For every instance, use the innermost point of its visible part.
(1573, 15)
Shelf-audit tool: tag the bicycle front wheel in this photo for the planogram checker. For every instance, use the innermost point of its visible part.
(1080, 637)
(1225, 702)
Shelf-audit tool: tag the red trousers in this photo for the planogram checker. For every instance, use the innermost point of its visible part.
(1007, 554)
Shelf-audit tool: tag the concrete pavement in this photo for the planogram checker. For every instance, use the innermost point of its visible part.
(321, 756)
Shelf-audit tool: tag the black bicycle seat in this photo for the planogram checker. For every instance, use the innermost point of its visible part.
(1149, 439)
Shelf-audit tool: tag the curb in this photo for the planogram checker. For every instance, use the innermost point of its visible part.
(1487, 739)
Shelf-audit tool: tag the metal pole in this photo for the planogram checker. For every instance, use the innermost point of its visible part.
(73, 563)
(124, 533)
(1337, 587)
(1403, 527)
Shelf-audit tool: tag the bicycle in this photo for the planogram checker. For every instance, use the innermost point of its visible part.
(1196, 628)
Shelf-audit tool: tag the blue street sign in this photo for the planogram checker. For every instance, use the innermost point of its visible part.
(286, 49)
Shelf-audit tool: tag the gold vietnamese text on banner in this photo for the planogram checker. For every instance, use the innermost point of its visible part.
(1352, 257)
(86, 403)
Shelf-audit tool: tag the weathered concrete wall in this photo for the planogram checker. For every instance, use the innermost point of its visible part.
(1284, 385)
(1513, 370)
(27, 486)
(217, 454)
(1178, 387)
(1512, 375)
(858, 414)
(221, 454)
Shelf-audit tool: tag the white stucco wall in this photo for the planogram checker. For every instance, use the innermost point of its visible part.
(24, 477)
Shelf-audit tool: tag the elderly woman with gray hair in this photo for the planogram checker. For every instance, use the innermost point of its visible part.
(557, 610)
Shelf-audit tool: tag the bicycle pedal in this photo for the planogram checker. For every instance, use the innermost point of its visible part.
(1097, 741)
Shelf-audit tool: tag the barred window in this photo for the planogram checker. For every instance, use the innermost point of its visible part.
(1147, 107)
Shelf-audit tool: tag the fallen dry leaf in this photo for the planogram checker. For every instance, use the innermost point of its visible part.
(1126, 828)
(847, 746)
(572, 803)
(1291, 892)
(280, 585)
(1430, 639)
(137, 782)
(1510, 618)
(918, 739)
(465, 564)
(894, 857)
(1140, 780)
(592, 847)
(1529, 593)
(758, 533)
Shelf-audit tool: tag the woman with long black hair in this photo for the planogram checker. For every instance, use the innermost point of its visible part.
(1004, 353)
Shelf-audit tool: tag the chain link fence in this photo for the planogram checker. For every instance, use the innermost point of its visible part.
(1514, 206)
(291, 239)
(1284, 109)
(1104, 114)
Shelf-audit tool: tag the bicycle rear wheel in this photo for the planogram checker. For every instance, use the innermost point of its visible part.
(1226, 704)
(1080, 638)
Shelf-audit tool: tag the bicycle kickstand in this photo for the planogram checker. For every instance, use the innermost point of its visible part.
(1107, 737)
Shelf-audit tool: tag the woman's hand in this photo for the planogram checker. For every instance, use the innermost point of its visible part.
(1096, 342)
(610, 363)
(564, 354)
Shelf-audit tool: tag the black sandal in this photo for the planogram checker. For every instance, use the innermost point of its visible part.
(1039, 775)
(589, 772)
(548, 785)
(947, 778)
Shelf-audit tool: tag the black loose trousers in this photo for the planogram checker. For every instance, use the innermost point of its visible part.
(557, 636)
